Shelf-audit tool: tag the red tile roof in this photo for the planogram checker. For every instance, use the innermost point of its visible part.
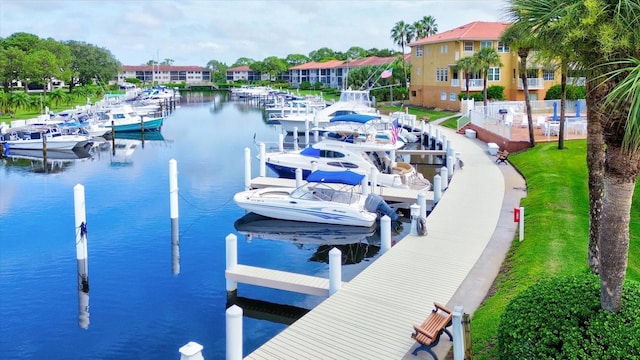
(477, 30)
(318, 65)
(244, 68)
(162, 68)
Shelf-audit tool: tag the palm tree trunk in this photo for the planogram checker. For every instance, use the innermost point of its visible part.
(527, 101)
(563, 103)
(404, 67)
(595, 165)
(484, 91)
(467, 83)
(619, 183)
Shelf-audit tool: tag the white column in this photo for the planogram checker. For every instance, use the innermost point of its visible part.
(458, 333)
(295, 138)
(281, 142)
(263, 160)
(175, 223)
(422, 202)
(335, 270)
(450, 163)
(385, 234)
(521, 230)
(231, 247)
(234, 332)
(298, 177)
(445, 177)
(415, 213)
(365, 186)
(437, 188)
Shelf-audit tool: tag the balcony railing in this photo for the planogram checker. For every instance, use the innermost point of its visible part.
(474, 84)
(532, 83)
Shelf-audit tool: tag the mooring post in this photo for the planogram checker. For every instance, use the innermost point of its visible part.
(247, 168)
(231, 247)
(458, 333)
(82, 255)
(263, 160)
(191, 351)
(422, 202)
(295, 138)
(298, 177)
(335, 270)
(521, 229)
(175, 228)
(385, 233)
(450, 163)
(437, 188)
(445, 177)
(374, 180)
(234, 332)
(415, 213)
(365, 185)
(281, 142)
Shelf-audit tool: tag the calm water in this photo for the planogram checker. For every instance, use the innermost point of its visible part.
(138, 307)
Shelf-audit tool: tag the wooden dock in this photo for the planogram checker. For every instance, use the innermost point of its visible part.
(281, 280)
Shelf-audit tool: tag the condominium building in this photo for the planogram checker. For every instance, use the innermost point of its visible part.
(165, 74)
(436, 82)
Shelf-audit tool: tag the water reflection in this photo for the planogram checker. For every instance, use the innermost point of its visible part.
(49, 162)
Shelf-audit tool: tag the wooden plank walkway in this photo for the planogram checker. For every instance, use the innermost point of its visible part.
(276, 279)
(371, 317)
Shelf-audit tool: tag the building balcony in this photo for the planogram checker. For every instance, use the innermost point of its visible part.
(532, 84)
(474, 84)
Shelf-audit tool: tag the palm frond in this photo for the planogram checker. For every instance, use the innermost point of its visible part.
(627, 93)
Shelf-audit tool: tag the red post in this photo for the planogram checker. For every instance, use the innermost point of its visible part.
(516, 215)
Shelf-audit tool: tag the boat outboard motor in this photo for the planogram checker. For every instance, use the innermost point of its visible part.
(375, 203)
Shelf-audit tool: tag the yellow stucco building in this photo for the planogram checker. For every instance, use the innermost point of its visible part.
(436, 83)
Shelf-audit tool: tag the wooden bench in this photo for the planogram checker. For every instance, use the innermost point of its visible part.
(501, 157)
(428, 333)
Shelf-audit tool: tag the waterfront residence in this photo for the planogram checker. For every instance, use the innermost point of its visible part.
(165, 74)
(435, 81)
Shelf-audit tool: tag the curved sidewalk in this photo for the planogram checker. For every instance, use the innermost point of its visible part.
(371, 317)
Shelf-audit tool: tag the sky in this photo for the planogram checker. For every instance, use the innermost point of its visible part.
(193, 32)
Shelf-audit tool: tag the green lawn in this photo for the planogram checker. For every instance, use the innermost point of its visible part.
(556, 233)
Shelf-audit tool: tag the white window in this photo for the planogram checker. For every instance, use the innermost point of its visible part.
(484, 44)
(453, 97)
(427, 50)
(502, 47)
(442, 74)
(468, 46)
(444, 49)
(548, 75)
(443, 95)
(419, 51)
(493, 74)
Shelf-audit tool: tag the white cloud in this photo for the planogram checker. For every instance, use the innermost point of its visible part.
(192, 32)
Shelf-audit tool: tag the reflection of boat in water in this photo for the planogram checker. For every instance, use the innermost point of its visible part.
(260, 227)
(123, 150)
(55, 161)
(137, 135)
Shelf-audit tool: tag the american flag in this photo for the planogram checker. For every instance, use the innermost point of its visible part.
(387, 73)
(394, 132)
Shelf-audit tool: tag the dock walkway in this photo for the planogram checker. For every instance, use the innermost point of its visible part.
(371, 317)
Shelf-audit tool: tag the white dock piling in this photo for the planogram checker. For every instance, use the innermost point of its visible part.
(385, 234)
(295, 138)
(231, 247)
(458, 333)
(234, 332)
(374, 180)
(521, 229)
(437, 188)
(298, 177)
(82, 255)
(263, 160)
(175, 227)
(335, 270)
(316, 135)
(450, 163)
(445, 177)
(422, 202)
(247, 168)
(281, 142)
(365, 185)
(191, 351)
(415, 213)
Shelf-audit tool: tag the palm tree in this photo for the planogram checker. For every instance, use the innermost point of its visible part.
(19, 100)
(402, 34)
(467, 65)
(425, 27)
(486, 58)
(599, 32)
(519, 38)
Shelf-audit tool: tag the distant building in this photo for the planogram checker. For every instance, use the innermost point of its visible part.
(165, 74)
(244, 73)
(435, 81)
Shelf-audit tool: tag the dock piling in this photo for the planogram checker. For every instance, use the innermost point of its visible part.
(231, 247)
(191, 351)
(233, 317)
(335, 270)
(385, 234)
(175, 228)
(247, 168)
(437, 188)
(263, 163)
(81, 255)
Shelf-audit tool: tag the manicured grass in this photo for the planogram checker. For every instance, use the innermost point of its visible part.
(556, 233)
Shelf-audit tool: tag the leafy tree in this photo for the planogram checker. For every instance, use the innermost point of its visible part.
(573, 92)
(57, 96)
(322, 54)
(90, 62)
(381, 53)
(19, 100)
(468, 66)
(218, 70)
(296, 59)
(356, 52)
(273, 66)
(425, 27)
(42, 65)
(243, 61)
(402, 34)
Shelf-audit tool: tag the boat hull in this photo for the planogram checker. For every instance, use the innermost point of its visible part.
(149, 125)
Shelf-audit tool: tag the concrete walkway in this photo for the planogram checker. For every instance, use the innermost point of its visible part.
(371, 317)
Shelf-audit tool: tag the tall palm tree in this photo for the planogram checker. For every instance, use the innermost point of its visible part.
(598, 32)
(468, 66)
(486, 58)
(519, 38)
(425, 27)
(402, 34)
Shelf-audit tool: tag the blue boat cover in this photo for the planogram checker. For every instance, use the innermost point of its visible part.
(335, 177)
(310, 151)
(359, 118)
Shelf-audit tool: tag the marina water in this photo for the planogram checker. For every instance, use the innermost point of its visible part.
(145, 302)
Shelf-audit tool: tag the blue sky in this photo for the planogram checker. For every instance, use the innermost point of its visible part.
(192, 32)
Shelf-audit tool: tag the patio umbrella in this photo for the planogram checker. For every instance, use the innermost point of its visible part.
(578, 108)
(555, 111)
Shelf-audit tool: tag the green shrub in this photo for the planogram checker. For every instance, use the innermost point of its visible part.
(305, 85)
(573, 92)
(495, 92)
(561, 318)
(477, 97)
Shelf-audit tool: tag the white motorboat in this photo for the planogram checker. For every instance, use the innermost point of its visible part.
(328, 197)
(356, 127)
(35, 138)
(124, 118)
(350, 102)
(364, 158)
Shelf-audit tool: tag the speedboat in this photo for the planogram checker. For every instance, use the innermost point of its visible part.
(356, 127)
(125, 118)
(359, 157)
(35, 138)
(328, 197)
